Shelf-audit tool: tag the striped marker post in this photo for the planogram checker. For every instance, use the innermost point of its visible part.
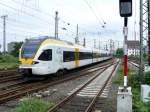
(125, 32)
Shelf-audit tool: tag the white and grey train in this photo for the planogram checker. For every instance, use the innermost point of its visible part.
(48, 56)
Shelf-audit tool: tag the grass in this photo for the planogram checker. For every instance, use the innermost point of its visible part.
(8, 62)
(4, 66)
(119, 80)
(33, 105)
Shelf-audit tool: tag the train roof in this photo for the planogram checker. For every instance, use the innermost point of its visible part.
(51, 41)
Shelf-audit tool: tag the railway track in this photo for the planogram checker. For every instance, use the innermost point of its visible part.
(14, 80)
(12, 84)
(9, 75)
(10, 78)
(83, 98)
(12, 75)
(5, 73)
(134, 64)
(25, 88)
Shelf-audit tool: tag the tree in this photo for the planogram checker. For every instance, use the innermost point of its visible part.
(119, 52)
(15, 51)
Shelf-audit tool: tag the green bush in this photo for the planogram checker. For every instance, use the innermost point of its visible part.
(133, 81)
(119, 52)
(8, 59)
(15, 51)
(147, 78)
(138, 104)
(8, 62)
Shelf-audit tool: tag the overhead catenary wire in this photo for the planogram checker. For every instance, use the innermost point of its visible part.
(26, 30)
(47, 14)
(22, 23)
(24, 12)
(21, 11)
(22, 30)
(101, 22)
(34, 9)
(12, 33)
(28, 13)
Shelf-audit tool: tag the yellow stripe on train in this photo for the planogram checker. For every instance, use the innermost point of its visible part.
(26, 61)
(76, 57)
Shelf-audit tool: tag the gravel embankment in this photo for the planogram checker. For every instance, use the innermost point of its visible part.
(56, 93)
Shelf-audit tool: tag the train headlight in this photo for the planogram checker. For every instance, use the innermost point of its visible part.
(35, 62)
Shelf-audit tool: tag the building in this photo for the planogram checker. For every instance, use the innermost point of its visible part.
(10, 46)
(133, 47)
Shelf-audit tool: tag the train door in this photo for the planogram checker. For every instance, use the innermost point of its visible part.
(59, 58)
(45, 59)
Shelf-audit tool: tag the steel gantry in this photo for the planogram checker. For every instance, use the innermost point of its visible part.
(144, 32)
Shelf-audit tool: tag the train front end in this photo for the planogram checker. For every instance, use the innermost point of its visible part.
(27, 56)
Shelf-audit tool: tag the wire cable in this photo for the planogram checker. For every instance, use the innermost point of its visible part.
(24, 12)
(92, 10)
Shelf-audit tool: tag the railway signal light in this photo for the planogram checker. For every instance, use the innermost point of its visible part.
(125, 8)
(125, 11)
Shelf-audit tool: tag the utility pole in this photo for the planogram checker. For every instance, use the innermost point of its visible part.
(99, 40)
(135, 21)
(56, 25)
(4, 32)
(94, 43)
(148, 2)
(143, 30)
(77, 36)
(99, 45)
(111, 46)
(84, 42)
(106, 48)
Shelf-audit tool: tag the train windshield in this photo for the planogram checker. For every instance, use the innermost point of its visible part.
(30, 48)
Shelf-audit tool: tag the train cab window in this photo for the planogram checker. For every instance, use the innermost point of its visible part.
(46, 55)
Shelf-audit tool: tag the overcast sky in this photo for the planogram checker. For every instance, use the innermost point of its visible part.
(31, 18)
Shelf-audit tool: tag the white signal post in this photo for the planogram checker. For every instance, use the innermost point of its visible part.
(124, 96)
(125, 32)
(125, 11)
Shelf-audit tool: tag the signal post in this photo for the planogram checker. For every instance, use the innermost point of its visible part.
(124, 96)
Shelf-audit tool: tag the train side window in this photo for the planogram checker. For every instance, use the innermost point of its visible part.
(85, 55)
(46, 55)
(98, 55)
(68, 56)
(94, 55)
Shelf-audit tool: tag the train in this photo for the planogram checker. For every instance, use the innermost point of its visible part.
(45, 56)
